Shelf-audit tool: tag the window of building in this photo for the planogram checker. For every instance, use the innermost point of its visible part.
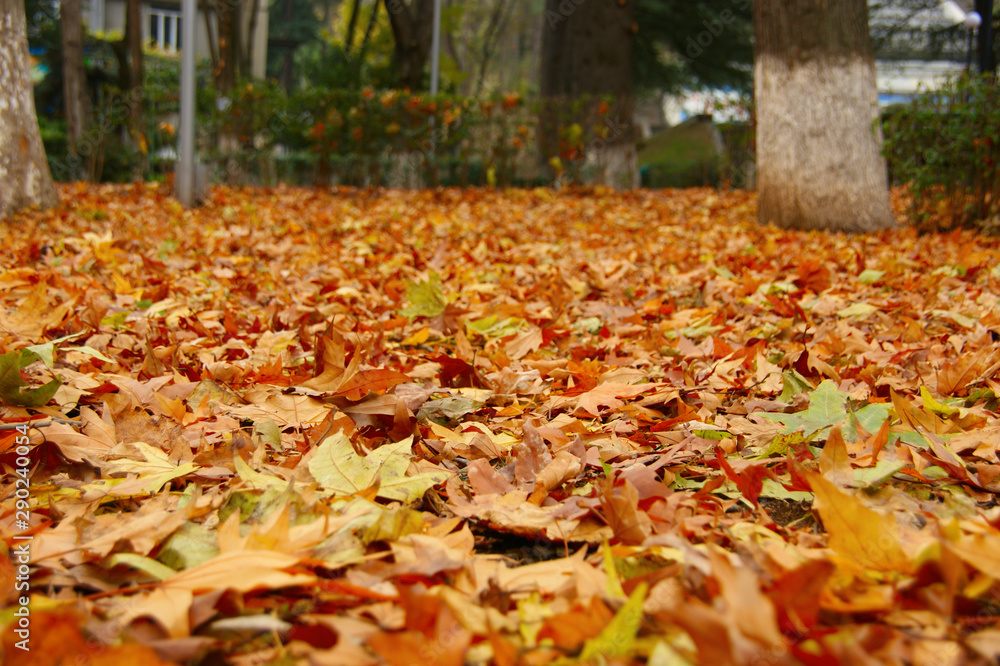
(165, 28)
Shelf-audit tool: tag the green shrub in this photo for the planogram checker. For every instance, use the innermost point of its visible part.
(945, 145)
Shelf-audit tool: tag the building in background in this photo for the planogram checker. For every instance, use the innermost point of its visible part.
(161, 26)
(917, 46)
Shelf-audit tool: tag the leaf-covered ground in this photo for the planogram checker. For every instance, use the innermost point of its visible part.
(472, 427)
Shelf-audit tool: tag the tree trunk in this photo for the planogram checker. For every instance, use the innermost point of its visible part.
(24, 173)
(818, 140)
(499, 15)
(412, 29)
(987, 59)
(227, 27)
(352, 25)
(133, 42)
(75, 94)
(587, 51)
(246, 59)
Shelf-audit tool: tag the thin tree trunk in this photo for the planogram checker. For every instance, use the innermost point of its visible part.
(225, 70)
(133, 42)
(24, 172)
(494, 30)
(246, 66)
(369, 29)
(213, 38)
(75, 93)
(352, 25)
(818, 159)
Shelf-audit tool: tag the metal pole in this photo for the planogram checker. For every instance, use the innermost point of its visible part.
(436, 48)
(184, 179)
(968, 57)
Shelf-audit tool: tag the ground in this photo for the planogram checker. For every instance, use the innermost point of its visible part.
(476, 426)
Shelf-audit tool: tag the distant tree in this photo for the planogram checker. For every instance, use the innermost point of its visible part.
(224, 44)
(24, 170)
(291, 24)
(587, 52)
(412, 28)
(75, 95)
(987, 37)
(681, 43)
(128, 53)
(485, 24)
(818, 159)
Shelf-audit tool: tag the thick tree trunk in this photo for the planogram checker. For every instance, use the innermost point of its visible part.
(24, 173)
(74, 75)
(587, 51)
(412, 29)
(818, 140)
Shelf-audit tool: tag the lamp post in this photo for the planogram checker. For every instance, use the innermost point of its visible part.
(184, 177)
(972, 21)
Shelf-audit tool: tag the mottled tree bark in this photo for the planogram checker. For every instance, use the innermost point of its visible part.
(24, 173)
(76, 98)
(819, 164)
(133, 42)
(227, 25)
(587, 51)
(412, 28)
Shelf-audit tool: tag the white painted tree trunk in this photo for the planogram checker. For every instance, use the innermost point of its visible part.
(615, 165)
(819, 164)
(24, 173)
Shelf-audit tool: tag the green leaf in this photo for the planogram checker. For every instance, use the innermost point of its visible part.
(960, 319)
(792, 383)
(592, 325)
(426, 298)
(870, 276)
(873, 477)
(618, 637)
(723, 272)
(269, 431)
(491, 327)
(857, 310)
(254, 478)
(932, 405)
(782, 444)
(712, 434)
(447, 409)
(155, 469)
(45, 352)
(338, 468)
(828, 407)
(144, 564)
(189, 546)
(12, 385)
(90, 351)
(116, 320)
(775, 490)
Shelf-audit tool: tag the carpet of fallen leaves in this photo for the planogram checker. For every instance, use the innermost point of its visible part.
(476, 427)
